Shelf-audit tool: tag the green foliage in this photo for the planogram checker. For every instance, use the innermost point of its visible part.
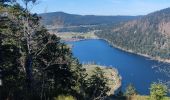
(35, 64)
(158, 91)
(97, 85)
(12, 74)
(130, 90)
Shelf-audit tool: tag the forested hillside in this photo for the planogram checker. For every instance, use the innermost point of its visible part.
(76, 20)
(149, 34)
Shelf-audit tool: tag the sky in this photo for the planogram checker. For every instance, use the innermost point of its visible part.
(101, 7)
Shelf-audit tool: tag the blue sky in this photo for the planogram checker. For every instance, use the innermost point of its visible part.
(101, 7)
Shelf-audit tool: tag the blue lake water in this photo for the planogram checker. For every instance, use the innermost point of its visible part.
(133, 68)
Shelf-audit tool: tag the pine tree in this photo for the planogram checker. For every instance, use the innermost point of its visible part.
(158, 91)
(130, 90)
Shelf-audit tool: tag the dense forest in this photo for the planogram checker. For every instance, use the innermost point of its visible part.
(35, 65)
(147, 35)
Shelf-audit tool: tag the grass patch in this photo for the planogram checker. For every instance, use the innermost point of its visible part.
(76, 35)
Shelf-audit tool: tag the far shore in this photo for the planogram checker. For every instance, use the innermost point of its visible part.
(76, 39)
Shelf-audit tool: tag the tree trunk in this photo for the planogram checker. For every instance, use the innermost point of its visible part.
(28, 67)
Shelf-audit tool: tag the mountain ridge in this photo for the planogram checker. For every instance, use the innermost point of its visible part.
(75, 19)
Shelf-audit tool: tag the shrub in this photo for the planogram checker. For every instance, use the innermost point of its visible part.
(158, 91)
(64, 97)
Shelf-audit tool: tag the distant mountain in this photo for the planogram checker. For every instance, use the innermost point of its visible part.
(149, 34)
(76, 20)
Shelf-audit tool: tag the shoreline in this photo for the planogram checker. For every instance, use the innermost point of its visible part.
(77, 40)
(125, 50)
(140, 54)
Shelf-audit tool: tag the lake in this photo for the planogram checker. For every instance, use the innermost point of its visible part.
(135, 69)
